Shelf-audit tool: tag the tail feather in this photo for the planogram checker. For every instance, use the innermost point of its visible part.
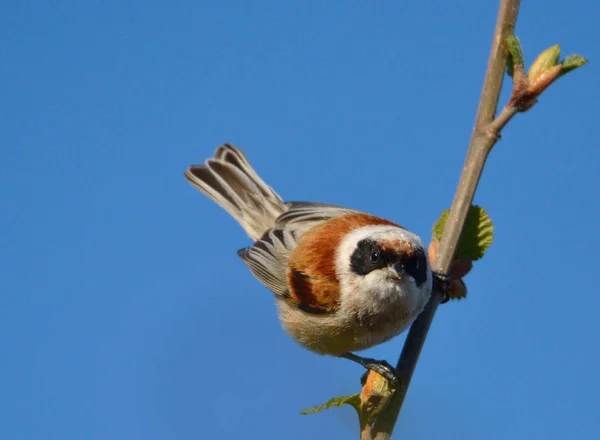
(229, 180)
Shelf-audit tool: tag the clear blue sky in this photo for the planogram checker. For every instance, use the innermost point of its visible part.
(125, 312)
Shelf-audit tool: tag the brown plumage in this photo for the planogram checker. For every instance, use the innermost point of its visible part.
(398, 247)
(311, 273)
(343, 280)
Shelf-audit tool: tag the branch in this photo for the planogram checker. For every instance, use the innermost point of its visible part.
(485, 134)
(378, 403)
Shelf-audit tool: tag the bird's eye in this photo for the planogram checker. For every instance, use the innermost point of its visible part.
(367, 257)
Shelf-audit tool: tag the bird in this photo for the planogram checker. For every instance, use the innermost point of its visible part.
(343, 280)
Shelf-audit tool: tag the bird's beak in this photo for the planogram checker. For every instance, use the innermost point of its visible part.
(396, 271)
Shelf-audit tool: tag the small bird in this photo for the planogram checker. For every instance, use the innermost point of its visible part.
(343, 280)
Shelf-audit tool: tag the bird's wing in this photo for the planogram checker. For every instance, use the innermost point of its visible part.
(268, 257)
(302, 216)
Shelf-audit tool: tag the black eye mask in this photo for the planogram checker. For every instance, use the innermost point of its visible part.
(368, 257)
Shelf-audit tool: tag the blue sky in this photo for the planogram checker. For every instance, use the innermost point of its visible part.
(125, 312)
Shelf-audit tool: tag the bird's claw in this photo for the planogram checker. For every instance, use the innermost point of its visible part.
(384, 369)
(442, 283)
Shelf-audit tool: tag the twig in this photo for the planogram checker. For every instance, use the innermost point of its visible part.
(485, 134)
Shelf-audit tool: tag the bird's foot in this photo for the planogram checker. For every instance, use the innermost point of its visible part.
(442, 283)
(381, 367)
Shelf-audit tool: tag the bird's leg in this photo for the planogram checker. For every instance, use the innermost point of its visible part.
(381, 367)
(442, 283)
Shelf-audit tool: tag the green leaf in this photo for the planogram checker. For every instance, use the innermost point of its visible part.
(438, 228)
(476, 237)
(572, 62)
(515, 53)
(353, 400)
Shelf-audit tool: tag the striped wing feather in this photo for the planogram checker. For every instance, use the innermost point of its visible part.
(268, 257)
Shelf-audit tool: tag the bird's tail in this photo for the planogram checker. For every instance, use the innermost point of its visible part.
(229, 180)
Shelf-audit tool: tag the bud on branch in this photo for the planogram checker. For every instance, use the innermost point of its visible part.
(544, 71)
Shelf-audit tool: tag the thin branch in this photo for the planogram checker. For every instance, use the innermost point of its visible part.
(498, 124)
(485, 134)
